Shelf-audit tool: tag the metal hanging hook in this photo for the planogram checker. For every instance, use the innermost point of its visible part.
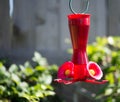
(72, 10)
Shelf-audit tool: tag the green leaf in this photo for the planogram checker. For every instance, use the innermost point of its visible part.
(27, 65)
(1, 64)
(28, 71)
(2, 89)
(110, 78)
(13, 68)
(2, 69)
(108, 91)
(47, 79)
(39, 59)
(118, 90)
(40, 68)
(39, 94)
(47, 93)
(15, 78)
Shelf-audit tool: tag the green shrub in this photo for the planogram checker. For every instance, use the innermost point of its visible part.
(27, 83)
(106, 52)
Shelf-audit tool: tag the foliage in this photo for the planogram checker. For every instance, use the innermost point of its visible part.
(27, 83)
(106, 52)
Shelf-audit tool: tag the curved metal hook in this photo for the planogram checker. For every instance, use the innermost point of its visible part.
(71, 8)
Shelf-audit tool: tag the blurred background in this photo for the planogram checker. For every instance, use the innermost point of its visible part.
(27, 26)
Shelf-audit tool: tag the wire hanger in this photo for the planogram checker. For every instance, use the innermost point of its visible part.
(84, 11)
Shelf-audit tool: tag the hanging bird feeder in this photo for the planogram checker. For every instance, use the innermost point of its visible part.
(79, 68)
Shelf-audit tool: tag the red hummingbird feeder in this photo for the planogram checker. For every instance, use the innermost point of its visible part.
(79, 68)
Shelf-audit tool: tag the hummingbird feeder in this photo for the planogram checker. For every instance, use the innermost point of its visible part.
(79, 68)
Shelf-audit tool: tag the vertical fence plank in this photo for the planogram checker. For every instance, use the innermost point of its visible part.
(5, 26)
(24, 24)
(47, 32)
(114, 17)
